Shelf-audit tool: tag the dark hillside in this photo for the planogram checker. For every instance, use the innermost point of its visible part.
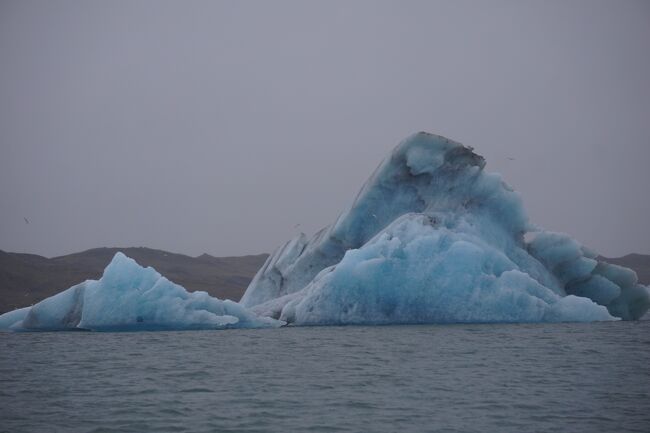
(639, 262)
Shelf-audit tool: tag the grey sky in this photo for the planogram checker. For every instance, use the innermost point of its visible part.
(218, 126)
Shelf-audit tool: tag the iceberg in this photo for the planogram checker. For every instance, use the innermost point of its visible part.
(129, 297)
(430, 238)
(433, 238)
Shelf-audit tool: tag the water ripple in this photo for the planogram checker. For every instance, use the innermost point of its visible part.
(453, 378)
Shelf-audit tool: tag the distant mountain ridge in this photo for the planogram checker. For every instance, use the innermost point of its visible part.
(638, 262)
(28, 278)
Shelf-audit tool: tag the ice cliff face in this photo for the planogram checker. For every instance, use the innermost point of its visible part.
(432, 238)
(129, 297)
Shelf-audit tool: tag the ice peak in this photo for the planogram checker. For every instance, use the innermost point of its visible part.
(129, 297)
(432, 237)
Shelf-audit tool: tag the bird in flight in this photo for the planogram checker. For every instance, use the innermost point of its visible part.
(511, 159)
(26, 220)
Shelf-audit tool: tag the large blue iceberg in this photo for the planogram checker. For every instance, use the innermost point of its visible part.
(129, 297)
(430, 238)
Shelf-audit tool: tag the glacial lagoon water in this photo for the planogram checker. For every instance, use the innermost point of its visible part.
(592, 377)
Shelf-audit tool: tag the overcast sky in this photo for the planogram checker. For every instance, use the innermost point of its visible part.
(218, 126)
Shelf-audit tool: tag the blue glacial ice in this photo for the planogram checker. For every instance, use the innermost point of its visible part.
(129, 297)
(432, 238)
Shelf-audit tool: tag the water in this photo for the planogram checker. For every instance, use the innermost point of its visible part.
(462, 378)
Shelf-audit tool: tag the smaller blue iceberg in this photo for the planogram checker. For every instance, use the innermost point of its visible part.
(129, 297)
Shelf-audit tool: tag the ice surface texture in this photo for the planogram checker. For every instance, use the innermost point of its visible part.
(129, 297)
(432, 238)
